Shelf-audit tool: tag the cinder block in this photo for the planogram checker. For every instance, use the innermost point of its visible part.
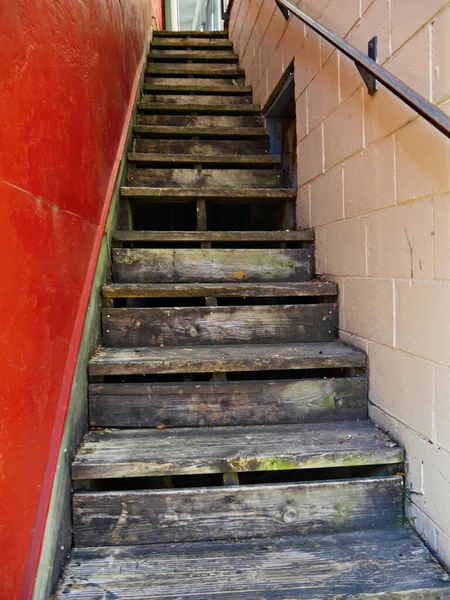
(323, 92)
(422, 319)
(307, 62)
(408, 16)
(370, 179)
(403, 385)
(376, 20)
(326, 197)
(341, 15)
(301, 116)
(442, 417)
(384, 113)
(321, 250)
(441, 228)
(400, 241)
(310, 155)
(369, 308)
(346, 248)
(343, 130)
(441, 57)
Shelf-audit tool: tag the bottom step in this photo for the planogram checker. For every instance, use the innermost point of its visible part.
(387, 564)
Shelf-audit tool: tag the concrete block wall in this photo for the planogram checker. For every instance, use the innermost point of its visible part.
(374, 183)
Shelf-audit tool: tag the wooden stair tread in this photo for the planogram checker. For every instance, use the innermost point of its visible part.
(197, 106)
(205, 159)
(301, 235)
(211, 132)
(228, 90)
(190, 42)
(364, 564)
(225, 358)
(190, 33)
(204, 55)
(203, 70)
(153, 452)
(161, 290)
(229, 194)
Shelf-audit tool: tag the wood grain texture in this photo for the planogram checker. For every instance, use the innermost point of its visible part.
(217, 121)
(204, 178)
(196, 106)
(147, 265)
(194, 55)
(203, 146)
(135, 327)
(259, 194)
(227, 403)
(143, 517)
(189, 451)
(204, 161)
(198, 88)
(193, 34)
(206, 132)
(188, 80)
(223, 358)
(218, 290)
(191, 43)
(386, 564)
(301, 235)
(180, 99)
(194, 70)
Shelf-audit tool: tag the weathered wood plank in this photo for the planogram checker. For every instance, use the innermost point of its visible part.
(223, 358)
(188, 99)
(231, 194)
(144, 452)
(201, 147)
(135, 327)
(142, 517)
(159, 265)
(203, 178)
(301, 235)
(227, 403)
(191, 43)
(217, 121)
(260, 161)
(386, 564)
(208, 132)
(218, 290)
(200, 55)
(198, 69)
(194, 34)
(188, 80)
(197, 106)
(198, 88)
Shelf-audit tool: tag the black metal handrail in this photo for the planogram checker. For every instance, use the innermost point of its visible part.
(369, 69)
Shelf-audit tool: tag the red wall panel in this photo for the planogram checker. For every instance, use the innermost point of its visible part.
(67, 71)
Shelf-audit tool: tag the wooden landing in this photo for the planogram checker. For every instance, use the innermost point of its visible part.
(139, 453)
(376, 564)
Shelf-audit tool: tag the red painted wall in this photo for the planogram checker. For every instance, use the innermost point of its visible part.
(67, 70)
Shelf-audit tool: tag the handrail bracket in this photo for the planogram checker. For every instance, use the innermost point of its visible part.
(283, 9)
(369, 79)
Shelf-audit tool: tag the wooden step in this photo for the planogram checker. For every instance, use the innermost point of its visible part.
(194, 34)
(201, 121)
(198, 88)
(197, 106)
(194, 55)
(239, 512)
(225, 358)
(210, 265)
(196, 178)
(378, 564)
(199, 325)
(199, 96)
(260, 161)
(196, 70)
(171, 131)
(192, 43)
(227, 403)
(218, 290)
(203, 146)
(194, 83)
(180, 194)
(153, 452)
(304, 235)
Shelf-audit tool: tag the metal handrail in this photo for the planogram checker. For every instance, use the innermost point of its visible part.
(417, 102)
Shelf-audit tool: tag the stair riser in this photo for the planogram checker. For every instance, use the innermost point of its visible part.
(135, 327)
(227, 403)
(199, 121)
(191, 44)
(204, 178)
(197, 107)
(182, 99)
(128, 518)
(204, 56)
(166, 265)
(194, 147)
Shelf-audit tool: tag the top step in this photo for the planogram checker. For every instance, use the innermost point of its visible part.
(194, 34)
(188, 42)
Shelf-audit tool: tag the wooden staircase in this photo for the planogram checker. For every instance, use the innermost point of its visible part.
(229, 454)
